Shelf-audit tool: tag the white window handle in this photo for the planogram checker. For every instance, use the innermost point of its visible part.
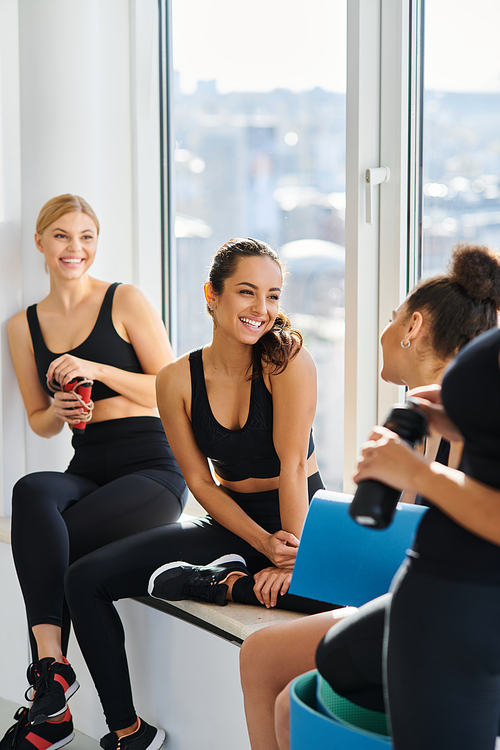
(374, 176)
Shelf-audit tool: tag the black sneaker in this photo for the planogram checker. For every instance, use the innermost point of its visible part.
(180, 580)
(49, 736)
(145, 737)
(52, 684)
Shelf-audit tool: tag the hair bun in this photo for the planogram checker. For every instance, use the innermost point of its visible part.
(477, 269)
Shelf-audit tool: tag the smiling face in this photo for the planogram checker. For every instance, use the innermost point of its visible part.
(249, 303)
(69, 244)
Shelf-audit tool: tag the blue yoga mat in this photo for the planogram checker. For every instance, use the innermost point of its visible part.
(341, 562)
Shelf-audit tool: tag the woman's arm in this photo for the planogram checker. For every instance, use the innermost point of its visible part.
(471, 504)
(294, 394)
(137, 322)
(173, 395)
(46, 417)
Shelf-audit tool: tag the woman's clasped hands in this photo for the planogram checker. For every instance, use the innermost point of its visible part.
(63, 370)
(272, 582)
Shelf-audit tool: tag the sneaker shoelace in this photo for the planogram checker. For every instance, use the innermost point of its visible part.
(21, 717)
(204, 589)
(40, 679)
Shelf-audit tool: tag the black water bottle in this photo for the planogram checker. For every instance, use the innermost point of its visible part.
(374, 503)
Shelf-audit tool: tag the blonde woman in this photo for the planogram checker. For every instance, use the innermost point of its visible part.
(122, 478)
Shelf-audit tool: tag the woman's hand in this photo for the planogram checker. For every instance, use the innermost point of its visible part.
(68, 408)
(388, 459)
(281, 548)
(271, 583)
(428, 400)
(66, 368)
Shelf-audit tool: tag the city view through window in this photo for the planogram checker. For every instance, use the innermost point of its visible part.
(259, 126)
(461, 128)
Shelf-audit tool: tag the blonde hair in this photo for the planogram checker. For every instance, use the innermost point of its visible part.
(61, 205)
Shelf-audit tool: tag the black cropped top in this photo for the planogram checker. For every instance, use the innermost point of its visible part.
(235, 454)
(471, 397)
(103, 345)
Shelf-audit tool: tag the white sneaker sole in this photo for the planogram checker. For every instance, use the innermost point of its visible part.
(158, 740)
(41, 718)
(168, 566)
(63, 742)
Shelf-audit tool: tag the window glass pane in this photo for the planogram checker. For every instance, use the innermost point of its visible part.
(259, 125)
(461, 128)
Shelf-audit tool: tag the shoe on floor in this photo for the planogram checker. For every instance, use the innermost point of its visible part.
(52, 684)
(180, 580)
(145, 737)
(48, 736)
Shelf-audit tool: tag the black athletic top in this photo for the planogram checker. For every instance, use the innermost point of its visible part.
(103, 345)
(471, 397)
(235, 454)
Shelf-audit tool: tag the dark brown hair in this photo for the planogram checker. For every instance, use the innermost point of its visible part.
(279, 345)
(462, 303)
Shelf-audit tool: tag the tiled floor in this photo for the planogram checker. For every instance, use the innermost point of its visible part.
(7, 711)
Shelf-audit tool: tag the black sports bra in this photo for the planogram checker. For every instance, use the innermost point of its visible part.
(103, 345)
(235, 454)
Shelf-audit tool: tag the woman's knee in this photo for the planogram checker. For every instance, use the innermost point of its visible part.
(260, 660)
(43, 489)
(29, 489)
(253, 657)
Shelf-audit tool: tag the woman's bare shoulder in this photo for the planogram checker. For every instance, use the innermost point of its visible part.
(301, 362)
(18, 326)
(129, 301)
(129, 293)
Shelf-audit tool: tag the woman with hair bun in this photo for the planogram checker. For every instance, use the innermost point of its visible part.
(122, 478)
(246, 401)
(438, 317)
(428, 653)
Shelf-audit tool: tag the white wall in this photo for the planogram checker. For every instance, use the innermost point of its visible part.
(12, 424)
(14, 648)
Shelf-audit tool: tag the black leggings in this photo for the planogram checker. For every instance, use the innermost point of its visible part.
(59, 517)
(440, 658)
(122, 570)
